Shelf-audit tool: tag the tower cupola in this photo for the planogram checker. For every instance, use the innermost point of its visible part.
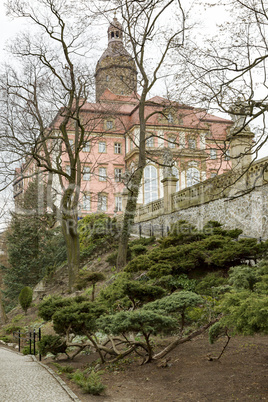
(115, 31)
(116, 69)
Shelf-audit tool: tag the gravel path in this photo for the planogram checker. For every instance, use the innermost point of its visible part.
(23, 379)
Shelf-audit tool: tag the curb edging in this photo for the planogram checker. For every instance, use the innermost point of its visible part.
(58, 379)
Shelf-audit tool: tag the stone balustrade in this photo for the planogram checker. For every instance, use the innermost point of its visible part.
(237, 198)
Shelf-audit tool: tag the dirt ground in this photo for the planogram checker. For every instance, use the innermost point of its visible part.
(240, 375)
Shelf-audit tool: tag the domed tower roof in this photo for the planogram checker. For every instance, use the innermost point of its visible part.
(116, 69)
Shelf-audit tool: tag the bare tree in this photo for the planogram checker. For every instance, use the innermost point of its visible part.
(152, 28)
(48, 81)
(227, 70)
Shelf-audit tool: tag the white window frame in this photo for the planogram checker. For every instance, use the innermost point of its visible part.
(109, 124)
(102, 173)
(102, 202)
(171, 142)
(86, 173)
(68, 169)
(117, 147)
(102, 147)
(118, 172)
(86, 147)
(150, 142)
(213, 153)
(118, 203)
(150, 184)
(191, 143)
(86, 203)
(227, 156)
(192, 176)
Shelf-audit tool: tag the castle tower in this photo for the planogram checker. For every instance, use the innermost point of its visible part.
(116, 69)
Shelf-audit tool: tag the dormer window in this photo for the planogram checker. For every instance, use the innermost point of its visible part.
(170, 118)
(109, 124)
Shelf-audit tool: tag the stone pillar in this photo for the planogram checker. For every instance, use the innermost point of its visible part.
(169, 184)
(241, 144)
(240, 137)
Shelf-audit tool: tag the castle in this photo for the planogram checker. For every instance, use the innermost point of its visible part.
(197, 141)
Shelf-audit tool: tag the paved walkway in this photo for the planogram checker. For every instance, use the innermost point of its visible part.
(23, 379)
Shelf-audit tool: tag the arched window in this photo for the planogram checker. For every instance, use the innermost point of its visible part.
(150, 184)
(192, 176)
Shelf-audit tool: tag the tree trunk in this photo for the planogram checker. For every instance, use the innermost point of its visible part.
(71, 236)
(179, 341)
(128, 218)
(133, 189)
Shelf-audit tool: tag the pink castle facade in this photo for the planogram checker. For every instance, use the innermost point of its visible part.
(196, 140)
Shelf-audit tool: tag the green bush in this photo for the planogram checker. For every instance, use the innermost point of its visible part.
(6, 339)
(78, 318)
(140, 263)
(25, 298)
(26, 350)
(157, 270)
(51, 344)
(143, 241)
(208, 284)
(63, 369)
(85, 278)
(12, 328)
(50, 305)
(90, 384)
(112, 258)
(172, 283)
(138, 249)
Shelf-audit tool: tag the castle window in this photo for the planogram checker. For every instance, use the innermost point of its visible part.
(213, 153)
(192, 143)
(117, 148)
(117, 34)
(150, 142)
(102, 174)
(192, 176)
(150, 184)
(227, 155)
(71, 142)
(112, 34)
(171, 142)
(86, 173)
(109, 124)
(68, 169)
(118, 204)
(118, 174)
(86, 202)
(102, 202)
(102, 147)
(86, 147)
(170, 118)
(121, 77)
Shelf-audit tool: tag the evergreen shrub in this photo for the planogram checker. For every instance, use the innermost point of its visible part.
(25, 298)
(51, 344)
